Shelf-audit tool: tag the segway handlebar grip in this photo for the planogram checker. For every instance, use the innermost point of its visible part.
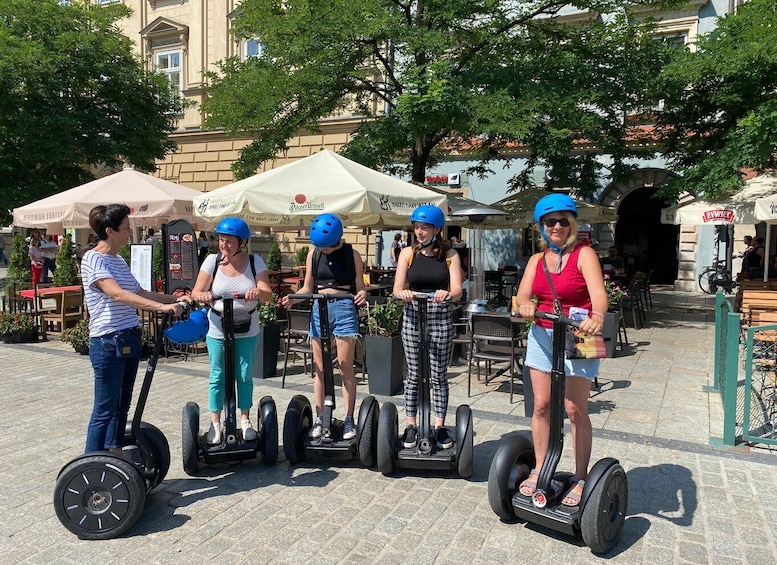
(235, 295)
(427, 295)
(320, 295)
(553, 317)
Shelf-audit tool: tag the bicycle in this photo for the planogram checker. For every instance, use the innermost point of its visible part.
(716, 276)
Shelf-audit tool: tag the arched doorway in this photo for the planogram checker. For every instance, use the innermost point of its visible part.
(639, 214)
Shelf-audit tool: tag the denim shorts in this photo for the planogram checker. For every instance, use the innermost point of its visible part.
(539, 355)
(343, 318)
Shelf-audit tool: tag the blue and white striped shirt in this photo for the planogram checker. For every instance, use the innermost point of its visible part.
(107, 315)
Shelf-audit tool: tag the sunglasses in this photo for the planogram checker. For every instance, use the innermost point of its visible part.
(551, 222)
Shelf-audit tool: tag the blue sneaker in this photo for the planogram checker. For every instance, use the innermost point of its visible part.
(349, 429)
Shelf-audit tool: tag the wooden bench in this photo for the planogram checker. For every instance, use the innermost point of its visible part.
(755, 303)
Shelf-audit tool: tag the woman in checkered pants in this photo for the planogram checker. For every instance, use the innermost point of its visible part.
(429, 266)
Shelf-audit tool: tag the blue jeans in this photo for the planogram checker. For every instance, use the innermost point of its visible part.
(114, 378)
(343, 318)
(245, 357)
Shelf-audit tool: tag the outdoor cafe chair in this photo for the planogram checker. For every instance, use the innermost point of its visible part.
(495, 338)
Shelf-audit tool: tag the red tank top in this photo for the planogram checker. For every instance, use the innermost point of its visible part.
(569, 284)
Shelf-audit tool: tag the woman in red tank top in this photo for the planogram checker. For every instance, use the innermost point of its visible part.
(577, 278)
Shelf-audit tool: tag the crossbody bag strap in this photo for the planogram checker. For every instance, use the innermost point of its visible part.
(557, 307)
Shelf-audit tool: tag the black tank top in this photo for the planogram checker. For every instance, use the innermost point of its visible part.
(332, 270)
(427, 274)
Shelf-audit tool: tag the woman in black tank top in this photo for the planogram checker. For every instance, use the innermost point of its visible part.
(430, 266)
(337, 269)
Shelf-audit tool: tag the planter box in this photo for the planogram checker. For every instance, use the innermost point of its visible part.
(385, 361)
(18, 337)
(610, 332)
(267, 348)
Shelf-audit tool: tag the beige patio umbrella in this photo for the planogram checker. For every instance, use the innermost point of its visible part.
(520, 206)
(293, 194)
(151, 199)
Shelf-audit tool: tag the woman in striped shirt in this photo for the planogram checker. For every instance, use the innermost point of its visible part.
(113, 296)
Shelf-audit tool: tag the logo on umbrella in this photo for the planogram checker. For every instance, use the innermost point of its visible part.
(301, 203)
(202, 207)
(384, 202)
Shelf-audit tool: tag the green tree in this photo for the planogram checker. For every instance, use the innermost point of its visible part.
(19, 271)
(436, 77)
(720, 111)
(66, 272)
(73, 94)
(274, 257)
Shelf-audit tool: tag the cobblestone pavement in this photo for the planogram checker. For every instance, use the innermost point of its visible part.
(689, 502)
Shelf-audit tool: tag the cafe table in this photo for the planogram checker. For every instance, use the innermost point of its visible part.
(55, 293)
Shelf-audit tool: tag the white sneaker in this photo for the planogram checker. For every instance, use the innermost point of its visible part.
(249, 434)
(318, 426)
(214, 434)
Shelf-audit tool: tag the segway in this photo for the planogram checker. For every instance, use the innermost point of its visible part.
(425, 455)
(601, 513)
(101, 495)
(300, 418)
(195, 449)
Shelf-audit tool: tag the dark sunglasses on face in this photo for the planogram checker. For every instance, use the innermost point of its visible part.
(551, 222)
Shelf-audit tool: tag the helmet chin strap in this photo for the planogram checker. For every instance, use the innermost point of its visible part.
(554, 247)
(428, 243)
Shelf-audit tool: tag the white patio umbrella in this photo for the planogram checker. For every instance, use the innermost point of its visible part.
(293, 194)
(737, 209)
(151, 199)
(520, 206)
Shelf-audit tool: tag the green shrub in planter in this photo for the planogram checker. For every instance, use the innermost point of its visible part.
(274, 257)
(78, 337)
(302, 255)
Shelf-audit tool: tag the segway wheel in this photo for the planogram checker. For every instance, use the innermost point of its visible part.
(268, 435)
(99, 497)
(298, 420)
(512, 463)
(605, 510)
(190, 438)
(388, 426)
(367, 431)
(464, 441)
(160, 454)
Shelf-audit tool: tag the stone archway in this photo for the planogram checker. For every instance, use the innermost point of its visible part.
(639, 214)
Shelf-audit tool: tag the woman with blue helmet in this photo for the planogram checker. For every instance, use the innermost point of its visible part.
(576, 276)
(338, 269)
(429, 266)
(229, 271)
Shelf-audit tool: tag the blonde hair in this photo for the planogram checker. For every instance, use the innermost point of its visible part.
(571, 240)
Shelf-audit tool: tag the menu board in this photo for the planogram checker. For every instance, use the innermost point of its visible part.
(141, 255)
(181, 265)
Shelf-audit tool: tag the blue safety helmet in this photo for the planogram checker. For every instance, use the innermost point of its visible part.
(326, 230)
(554, 203)
(234, 226)
(190, 330)
(428, 214)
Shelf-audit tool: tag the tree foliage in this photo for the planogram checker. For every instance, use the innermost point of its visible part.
(73, 94)
(721, 103)
(435, 77)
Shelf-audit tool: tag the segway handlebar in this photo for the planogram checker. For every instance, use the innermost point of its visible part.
(320, 295)
(227, 295)
(560, 317)
(427, 295)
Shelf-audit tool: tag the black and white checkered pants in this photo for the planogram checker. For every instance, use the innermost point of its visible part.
(440, 328)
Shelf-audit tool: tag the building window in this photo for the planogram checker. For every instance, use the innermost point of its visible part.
(169, 64)
(251, 48)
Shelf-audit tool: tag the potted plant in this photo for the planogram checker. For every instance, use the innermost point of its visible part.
(612, 316)
(269, 343)
(274, 257)
(383, 348)
(78, 337)
(302, 255)
(66, 273)
(17, 328)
